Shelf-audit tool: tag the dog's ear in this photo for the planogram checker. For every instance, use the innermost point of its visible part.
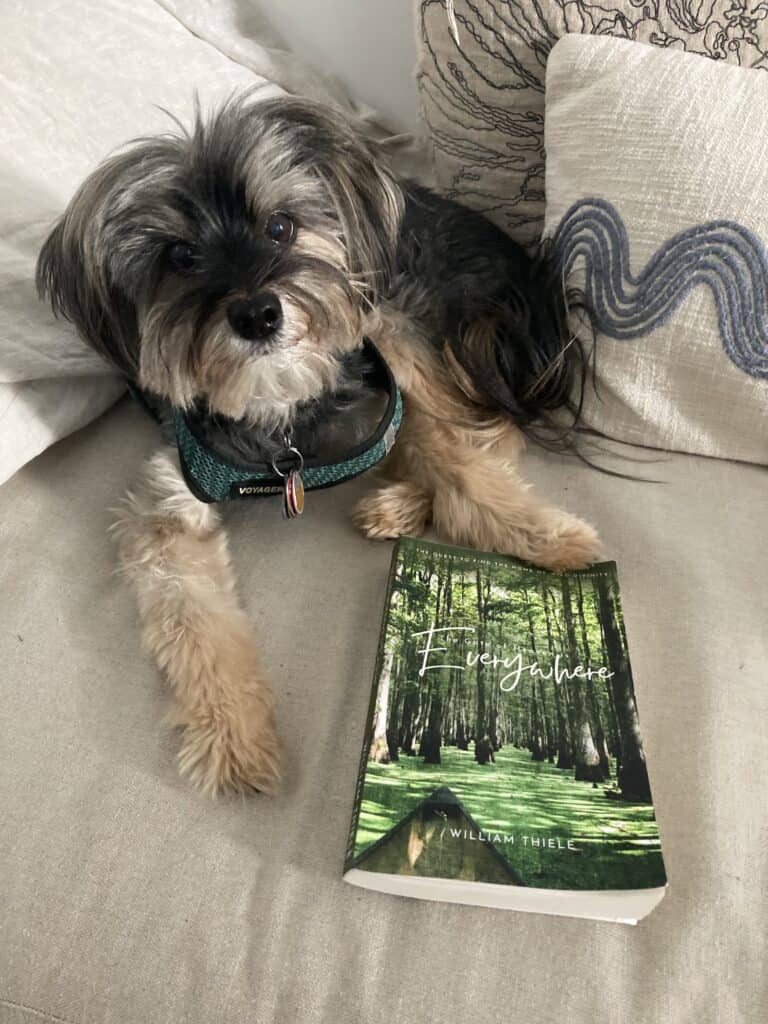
(75, 272)
(369, 204)
(81, 293)
(367, 198)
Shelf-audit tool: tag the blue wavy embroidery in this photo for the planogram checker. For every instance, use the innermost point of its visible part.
(722, 254)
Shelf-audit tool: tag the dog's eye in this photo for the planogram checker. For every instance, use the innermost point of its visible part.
(182, 257)
(279, 228)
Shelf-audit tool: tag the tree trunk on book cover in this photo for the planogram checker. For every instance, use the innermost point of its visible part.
(493, 734)
(395, 699)
(614, 744)
(481, 723)
(516, 723)
(536, 744)
(551, 731)
(448, 700)
(506, 727)
(538, 726)
(431, 737)
(549, 736)
(379, 744)
(546, 731)
(427, 709)
(586, 760)
(519, 726)
(402, 693)
(417, 724)
(497, 704)
(462, 728)
(430, 740)
(493, 710)
(406, 725)
(598, 731)
(393, 742)
(448, 722)
(614, 735)
(633, 773)
(593, 705)
(564, 759)
(414, 703)
(564, 687)
(393, 719)
(462, 738)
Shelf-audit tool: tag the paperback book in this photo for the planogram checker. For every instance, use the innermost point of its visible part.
(503, 763)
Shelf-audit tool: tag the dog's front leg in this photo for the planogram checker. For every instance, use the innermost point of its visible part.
(456, 464)
(174, 550)
(474, 495)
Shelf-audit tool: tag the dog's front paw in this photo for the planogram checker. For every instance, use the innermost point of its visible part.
(570, 544)
(232, 748)
(395, 510)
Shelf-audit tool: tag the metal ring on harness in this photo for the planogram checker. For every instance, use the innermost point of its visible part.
(280, 456)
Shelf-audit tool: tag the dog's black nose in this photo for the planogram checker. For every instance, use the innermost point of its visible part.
(257, 318)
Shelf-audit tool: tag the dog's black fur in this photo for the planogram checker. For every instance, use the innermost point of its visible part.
(445, 267)
(469, 272)
(453, 267)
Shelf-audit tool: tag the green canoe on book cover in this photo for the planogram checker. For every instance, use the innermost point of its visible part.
(503, 763)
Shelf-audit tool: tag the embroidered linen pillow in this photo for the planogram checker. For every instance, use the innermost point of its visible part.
(657, 207)
(483, 96)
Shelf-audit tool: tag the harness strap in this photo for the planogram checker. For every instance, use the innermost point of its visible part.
(211, 478)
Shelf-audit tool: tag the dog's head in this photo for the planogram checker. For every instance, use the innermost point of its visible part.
(230, 263)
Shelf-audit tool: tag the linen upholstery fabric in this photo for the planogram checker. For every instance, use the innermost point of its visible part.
(128, 898)
(483, 95)
(666, 144)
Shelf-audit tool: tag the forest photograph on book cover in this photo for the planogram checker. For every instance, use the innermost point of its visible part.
(504, 742)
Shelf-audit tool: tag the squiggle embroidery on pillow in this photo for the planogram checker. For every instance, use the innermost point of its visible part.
(721, 254)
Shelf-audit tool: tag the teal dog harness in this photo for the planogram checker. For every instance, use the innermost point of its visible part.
(212, 478)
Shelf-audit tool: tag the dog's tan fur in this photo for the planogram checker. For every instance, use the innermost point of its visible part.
(173, 549)
(455, 464)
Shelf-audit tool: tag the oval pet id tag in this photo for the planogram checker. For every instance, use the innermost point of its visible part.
(293, 495)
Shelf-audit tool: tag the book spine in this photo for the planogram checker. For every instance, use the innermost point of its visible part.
(368, 732)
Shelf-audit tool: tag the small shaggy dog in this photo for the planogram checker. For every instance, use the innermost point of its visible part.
(232, 271)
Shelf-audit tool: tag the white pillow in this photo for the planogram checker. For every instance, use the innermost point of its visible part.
(646, 149)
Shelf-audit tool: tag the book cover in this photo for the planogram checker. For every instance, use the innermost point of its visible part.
(503, 762)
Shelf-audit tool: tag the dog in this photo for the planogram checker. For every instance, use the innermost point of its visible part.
(233, 269)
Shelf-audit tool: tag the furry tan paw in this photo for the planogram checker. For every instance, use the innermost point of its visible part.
(570, 544)
(231, 750)
(394, 510)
